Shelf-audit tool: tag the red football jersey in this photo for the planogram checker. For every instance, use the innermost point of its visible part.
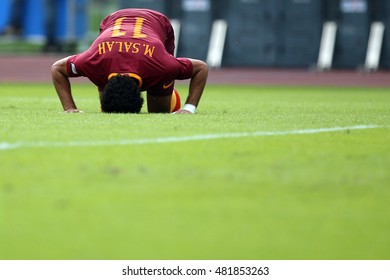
(138, 42)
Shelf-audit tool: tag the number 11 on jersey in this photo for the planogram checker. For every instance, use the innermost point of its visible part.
(137, 32)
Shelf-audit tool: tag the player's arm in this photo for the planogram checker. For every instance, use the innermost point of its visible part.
(197, 84)
(60, 77)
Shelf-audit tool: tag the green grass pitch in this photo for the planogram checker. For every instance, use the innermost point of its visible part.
(278, 196)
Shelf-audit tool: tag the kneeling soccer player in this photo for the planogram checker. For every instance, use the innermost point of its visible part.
(133, 53)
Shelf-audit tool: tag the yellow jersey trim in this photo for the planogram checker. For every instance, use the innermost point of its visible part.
(135, 76)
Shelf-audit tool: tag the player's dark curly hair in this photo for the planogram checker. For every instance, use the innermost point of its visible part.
(121, 95)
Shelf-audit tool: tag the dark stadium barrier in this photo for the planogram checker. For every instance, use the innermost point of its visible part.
(272, 33)
(352, 34)
(196, 18)
(382, 14)
(158, 5)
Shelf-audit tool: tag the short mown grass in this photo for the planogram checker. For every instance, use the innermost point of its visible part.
(309, 196)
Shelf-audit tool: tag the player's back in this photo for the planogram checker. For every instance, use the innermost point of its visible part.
(142, 24)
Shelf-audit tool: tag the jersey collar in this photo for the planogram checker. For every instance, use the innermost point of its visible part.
(135, 76)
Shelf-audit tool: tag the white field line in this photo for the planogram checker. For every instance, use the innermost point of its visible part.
(162, 140)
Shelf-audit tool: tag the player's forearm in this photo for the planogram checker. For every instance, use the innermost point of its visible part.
(198, 82)
(62, 86)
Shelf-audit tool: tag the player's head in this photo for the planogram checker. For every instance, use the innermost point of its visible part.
(121, 95)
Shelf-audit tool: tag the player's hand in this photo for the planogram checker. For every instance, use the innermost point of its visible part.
(73, 111)
(182, 112)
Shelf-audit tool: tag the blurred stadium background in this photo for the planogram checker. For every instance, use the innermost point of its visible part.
(337, 34)
(322, 196)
